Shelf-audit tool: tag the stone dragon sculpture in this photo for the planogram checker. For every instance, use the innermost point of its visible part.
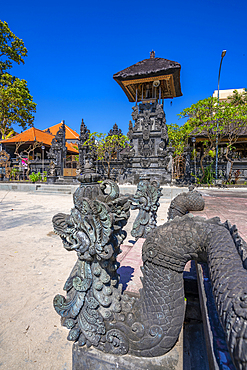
(95, 310)
(146, 199)
(183, 203)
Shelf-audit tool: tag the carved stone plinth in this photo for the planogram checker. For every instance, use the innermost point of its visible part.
(51, 179)
(90, 359)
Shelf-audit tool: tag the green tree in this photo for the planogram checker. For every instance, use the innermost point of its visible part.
(203, 118)
(206, 115)
(237, 120)
(178, 137)
(106, 148)
(238, 98)
(16, 104)
(12, 48)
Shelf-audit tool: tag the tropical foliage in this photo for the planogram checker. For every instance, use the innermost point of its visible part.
(214, 121)
(178, 137)
(12, 48)
(16, 102)
(238, 98)
(106, 148)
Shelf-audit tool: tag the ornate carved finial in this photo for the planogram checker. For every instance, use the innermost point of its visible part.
(85, 151)
(89, 174)
(152, 54)
(115, 131)
(84, 132)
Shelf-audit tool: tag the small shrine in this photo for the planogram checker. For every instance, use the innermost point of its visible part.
(148, 83)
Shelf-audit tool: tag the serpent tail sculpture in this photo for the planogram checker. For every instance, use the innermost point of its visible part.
(97, 313)
(186, 202)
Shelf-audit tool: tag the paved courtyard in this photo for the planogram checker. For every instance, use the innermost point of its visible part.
(34, 267)
(229, 205)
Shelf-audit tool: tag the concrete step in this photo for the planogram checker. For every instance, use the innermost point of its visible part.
(54, 189)
(66, 188)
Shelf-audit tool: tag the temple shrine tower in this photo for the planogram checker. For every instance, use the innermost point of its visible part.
(148, 83)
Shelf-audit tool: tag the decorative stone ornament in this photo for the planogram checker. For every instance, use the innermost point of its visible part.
(58, 150)
(185, 202)
(94, 231)
(146, 199)
(97, 313)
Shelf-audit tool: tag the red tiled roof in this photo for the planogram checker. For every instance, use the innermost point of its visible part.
(69, 133)
(31, 135)
(34, 134)
(71, 148)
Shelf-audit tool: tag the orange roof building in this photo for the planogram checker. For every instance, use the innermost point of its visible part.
(35, 135)
(69, 133)
(29, 136)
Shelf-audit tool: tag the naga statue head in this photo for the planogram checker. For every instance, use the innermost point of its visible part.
(93, 229)
(185, 202)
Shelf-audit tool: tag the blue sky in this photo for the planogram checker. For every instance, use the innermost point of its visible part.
(75, 47)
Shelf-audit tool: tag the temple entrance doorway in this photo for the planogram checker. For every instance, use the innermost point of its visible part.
(70, 165)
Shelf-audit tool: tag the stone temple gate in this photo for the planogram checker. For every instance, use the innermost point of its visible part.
(148, 83)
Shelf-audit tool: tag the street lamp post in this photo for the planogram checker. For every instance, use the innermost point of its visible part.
(217, 132)
(43, 158)
(193, 139)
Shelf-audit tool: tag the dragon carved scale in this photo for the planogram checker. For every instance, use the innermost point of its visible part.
(95, 310)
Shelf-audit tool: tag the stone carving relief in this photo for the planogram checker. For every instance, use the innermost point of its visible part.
(135, 112)
(145, 162)
(5, 163)
(165, 156)
(85, 153)
(150, 121)
(58, 150)
(146, 147)
(186, 202)
(52, 169)
(146, 199)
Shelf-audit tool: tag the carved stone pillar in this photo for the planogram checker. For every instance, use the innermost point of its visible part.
(58, 150)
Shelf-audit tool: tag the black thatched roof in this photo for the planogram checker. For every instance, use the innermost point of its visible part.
(151, 66)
